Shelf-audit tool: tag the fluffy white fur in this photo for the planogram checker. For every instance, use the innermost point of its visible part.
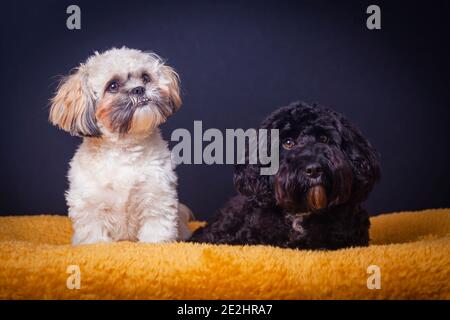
(124, 191)
(122, 186)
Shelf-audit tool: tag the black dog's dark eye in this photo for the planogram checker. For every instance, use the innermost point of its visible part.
(360, 164)
(146, 78)
(288, 143)
(113, 86)
(324, 139)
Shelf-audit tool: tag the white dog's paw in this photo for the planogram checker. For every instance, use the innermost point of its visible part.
(155, 230)
(77, 241)
(89, 236)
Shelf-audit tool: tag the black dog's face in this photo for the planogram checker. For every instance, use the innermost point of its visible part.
(314, 170)
(324, 162)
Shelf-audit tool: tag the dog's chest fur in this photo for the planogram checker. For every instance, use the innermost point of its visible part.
(118, 181)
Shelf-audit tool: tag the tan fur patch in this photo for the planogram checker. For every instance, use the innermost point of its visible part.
(103, 112)
(173, 88)
(70, 106)
(146, 119)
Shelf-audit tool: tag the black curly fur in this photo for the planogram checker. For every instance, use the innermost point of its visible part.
(273, 210)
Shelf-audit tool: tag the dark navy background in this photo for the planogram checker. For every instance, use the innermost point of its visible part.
(237, 62)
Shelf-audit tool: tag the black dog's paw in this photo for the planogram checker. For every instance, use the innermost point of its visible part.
(296, 227)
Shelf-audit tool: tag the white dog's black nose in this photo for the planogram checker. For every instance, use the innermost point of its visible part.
(313, 170)
(138, 91)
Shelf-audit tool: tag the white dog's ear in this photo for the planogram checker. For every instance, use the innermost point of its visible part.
(73, 107)
(173, 86)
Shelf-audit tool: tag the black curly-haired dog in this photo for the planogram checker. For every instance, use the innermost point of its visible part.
(327, 169)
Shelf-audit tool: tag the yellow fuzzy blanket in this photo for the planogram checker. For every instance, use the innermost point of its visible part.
(412, 250)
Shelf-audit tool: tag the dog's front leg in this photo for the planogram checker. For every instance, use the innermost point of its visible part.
(86, 232)
(156, 229)
(159, 223)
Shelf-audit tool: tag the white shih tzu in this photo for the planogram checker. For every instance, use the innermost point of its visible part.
(122, 184)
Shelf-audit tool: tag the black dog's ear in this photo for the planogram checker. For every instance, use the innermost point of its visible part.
(248, 178)
(249, 182)
(364, 158)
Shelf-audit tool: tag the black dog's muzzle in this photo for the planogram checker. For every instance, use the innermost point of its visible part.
(312, 178)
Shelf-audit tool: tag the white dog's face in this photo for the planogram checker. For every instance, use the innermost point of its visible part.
(119, 92)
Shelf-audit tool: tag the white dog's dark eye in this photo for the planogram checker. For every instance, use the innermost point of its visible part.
(113, 86)
(288, 143)
(146, 78)
(324, 139)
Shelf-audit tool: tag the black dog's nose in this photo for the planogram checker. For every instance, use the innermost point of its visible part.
(313, 170)
(138, 90)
